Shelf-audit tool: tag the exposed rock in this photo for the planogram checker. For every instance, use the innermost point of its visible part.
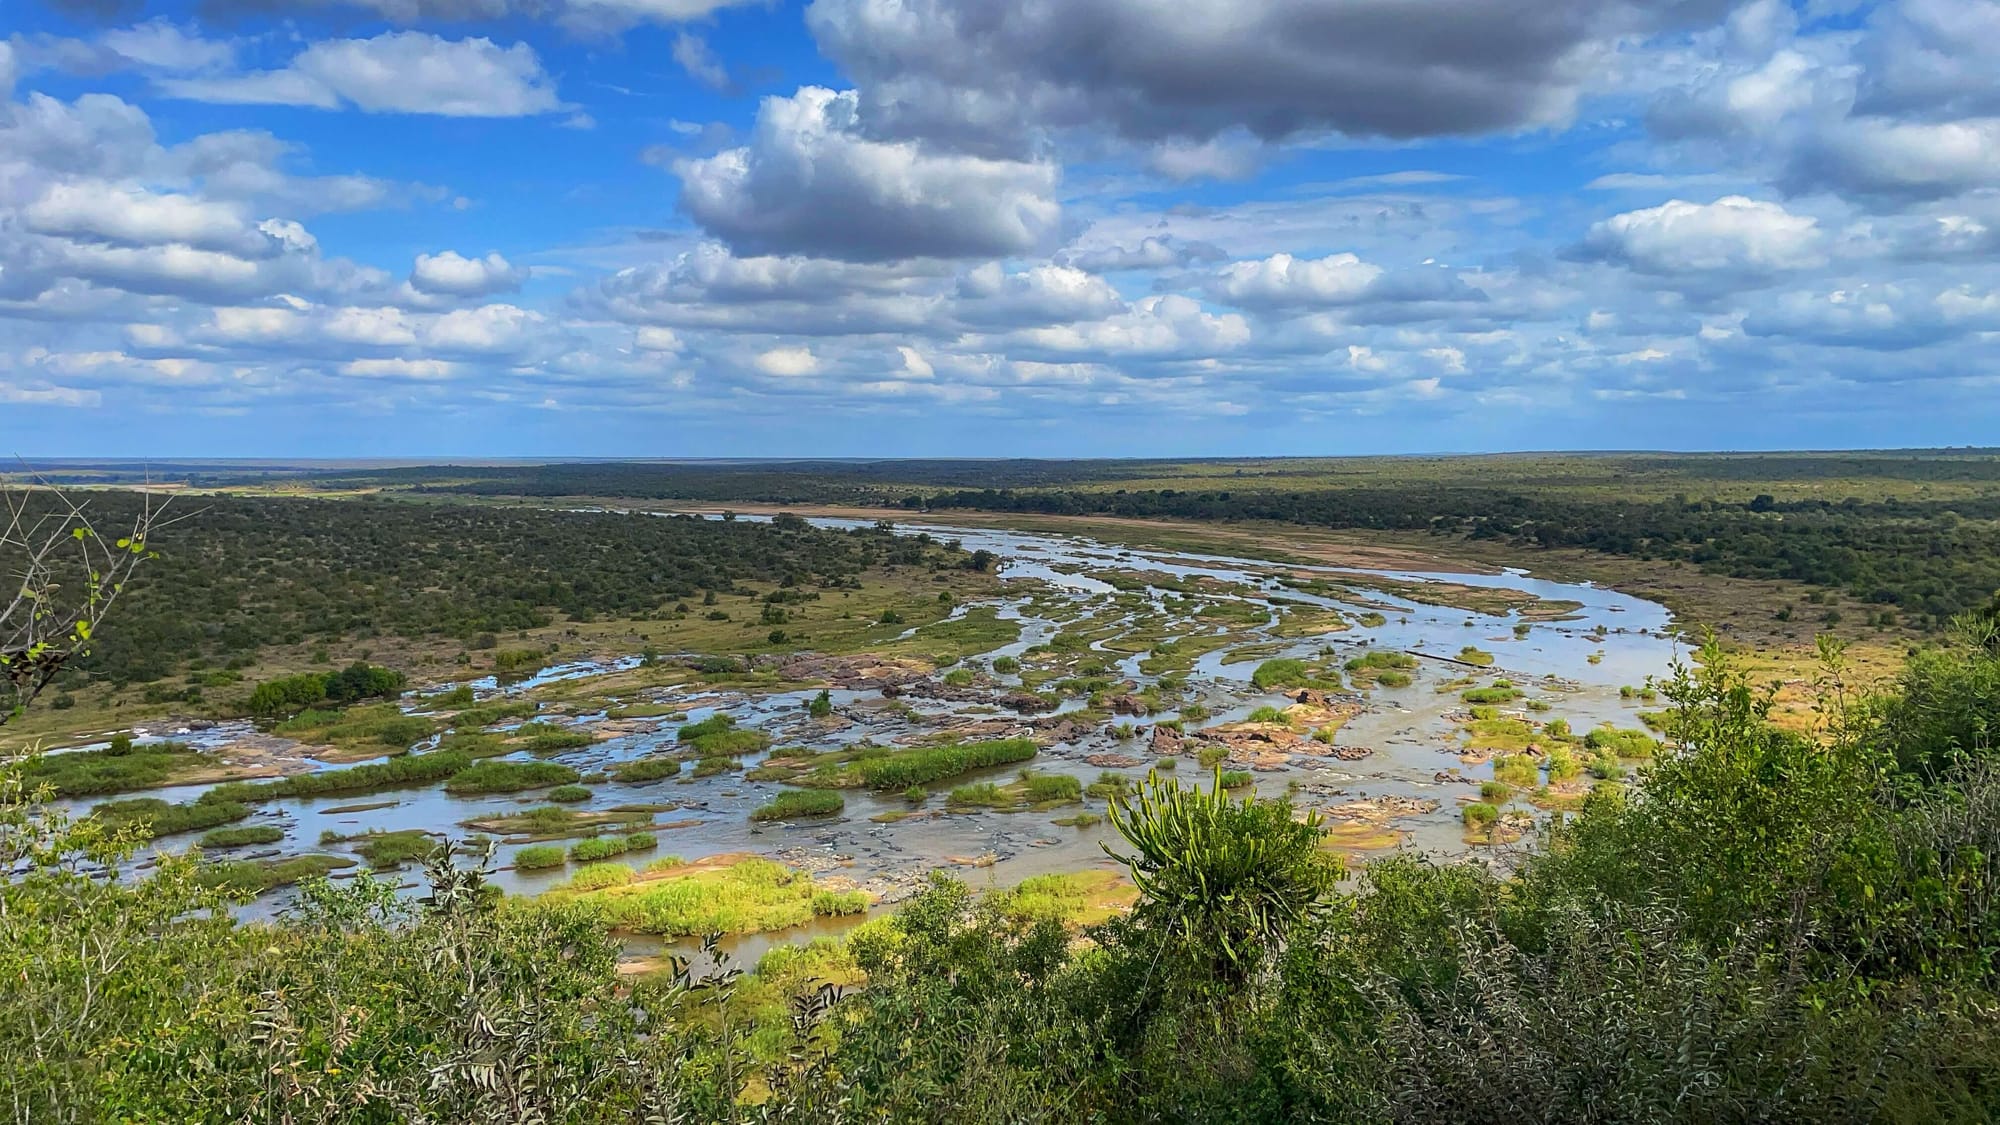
(1113, 761)
(1168, 742)
(1026, 702)
(859, 672)
(1128, 705)
(1061, 729)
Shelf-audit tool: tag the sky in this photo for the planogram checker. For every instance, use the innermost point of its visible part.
(328, 228)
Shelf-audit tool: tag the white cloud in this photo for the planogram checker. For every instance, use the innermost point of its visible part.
(692, 54)
(159, 45)
(397, 368)
(395, 72)
(130, 216)
(451, 274)
(810, 183)
(1284, 281)
(787, 362)
(1733, 234)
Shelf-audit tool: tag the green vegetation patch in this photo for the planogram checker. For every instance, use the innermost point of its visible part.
(241, 836)
(160, 818)
(509, 777)
(675, 900)
(799, 803)
(120, 768)
(255, 876)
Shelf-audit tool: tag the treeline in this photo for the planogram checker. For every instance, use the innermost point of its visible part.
(288, 695)
(1765, 928)
(236, 575)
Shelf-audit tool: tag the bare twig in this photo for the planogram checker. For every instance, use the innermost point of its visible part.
(60, 574)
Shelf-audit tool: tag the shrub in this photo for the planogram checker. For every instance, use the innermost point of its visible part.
(983, 793)
(1563, 765)
(1282, 672)
(1268, 714)
(796, 803)
(1480, 815)
(1235, 779)
(157, 818)
(1006, 665)
(1495, 792)
(1623, 743)
(959, 677)
(1473, 655)
(1167, 764)
(569, 794)
(1211, 756)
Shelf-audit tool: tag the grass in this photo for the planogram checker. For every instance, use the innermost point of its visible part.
(547, 738)
(900, 769)
(1268, 714)
(388, 850)
(255, 876)
(86, 773)
(640, 770)
(1236, 779)
(159, 818)
(604, 847)
(1495, 792)
(1109, 785)
(381, 725)
(798, 803)
(745, 896)
(1500, 692)
(408, 771)
(553, 822)
(486, 714)
(509, 777)
(1480, 815)
(1474, 655)
(539, 857)
(1491, 732)
(1517, 770)
(569, 794)
(1079, 898)
(597, 876)
(1624, 743)
(242, 836)
(1029, 790)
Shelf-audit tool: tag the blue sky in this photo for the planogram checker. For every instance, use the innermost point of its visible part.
(951, 227)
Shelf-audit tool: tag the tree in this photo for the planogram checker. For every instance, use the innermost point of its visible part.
(64, 575)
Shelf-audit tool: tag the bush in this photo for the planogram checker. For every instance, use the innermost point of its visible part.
(1268, 714)
(1282, 672)
(537, 857)
(157, 818)
(1006, 665)
(1516, 770)
(837, 904)
(1623, 743)
(569, 794)
(798, 803)
(1480, 815)
(1235, 779)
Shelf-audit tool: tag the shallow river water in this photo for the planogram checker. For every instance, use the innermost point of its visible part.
(1410, 730)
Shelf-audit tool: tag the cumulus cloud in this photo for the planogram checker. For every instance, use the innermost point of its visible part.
(395, 72)
(809, 182)
(1157, 252)
(451, 274)
(1734, 234)
(790, 362)
(1274, 68)
(692, 54)
(1282, 280)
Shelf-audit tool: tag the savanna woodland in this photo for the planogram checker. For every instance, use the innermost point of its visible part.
(1760, 901)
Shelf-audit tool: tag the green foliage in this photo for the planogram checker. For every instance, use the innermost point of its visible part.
(1283, 672)
(242, 836)
(1236, 779)
(1473, 655)
(821, 705)
(291, 694)
(255, 876)
(407, 771)
(1268, 714)
(387, 851)
(153, 817)
(537, 857)
(569, 794)
(1516, 770)
(1498, 693)
(1006, 665)
(1622, 743)
(604, 847)
(640, 770)
(921, 766)
(509, 777)
(795, 803)
(1223, 879)
(1480, 815)
(1047, 788)
(84, 773)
